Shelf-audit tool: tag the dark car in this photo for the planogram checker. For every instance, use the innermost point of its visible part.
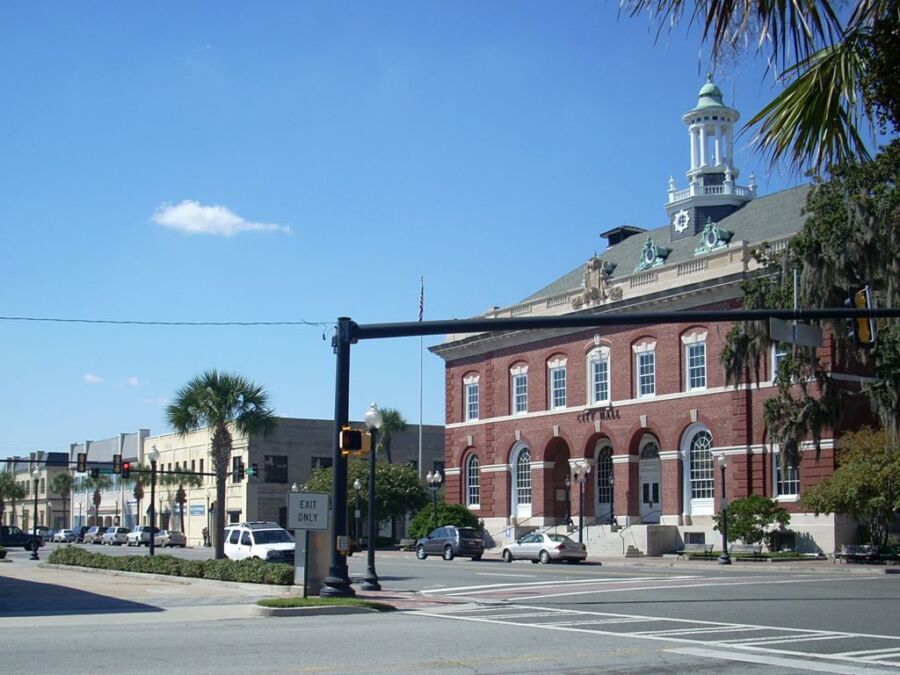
(14, 537)
(451, 541)
(79, 533)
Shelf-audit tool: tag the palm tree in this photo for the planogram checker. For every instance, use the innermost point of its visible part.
(62, 484)
(98, 484)
(839, 68)
(9, 490)
(181, 479)
(393, 422)
(218, 401)
(138, 493)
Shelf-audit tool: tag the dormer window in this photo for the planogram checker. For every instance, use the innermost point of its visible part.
(713, 237)
(651, 255)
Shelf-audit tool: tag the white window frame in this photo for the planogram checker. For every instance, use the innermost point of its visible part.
(778, 354)
(702, 478)
(644, 351)
(780, 484)
(597, 356)
(555, 367)
(473, 482)
(520, 483)
(699, 372)
(471, 398)
(518, 403)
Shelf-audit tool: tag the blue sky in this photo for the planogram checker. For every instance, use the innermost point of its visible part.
(288, 161)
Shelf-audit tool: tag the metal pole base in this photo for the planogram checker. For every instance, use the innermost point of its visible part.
(370, 581)
(724, 559)
(337, 586)
(34, 553)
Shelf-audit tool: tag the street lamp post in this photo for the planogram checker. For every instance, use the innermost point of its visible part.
(724, 559)
(434, 479)
(374, 420)
(581, 474)
(36, 472)
(356, 486)
(612, 503)
(568, 504)
(153, 456)
(49, 514)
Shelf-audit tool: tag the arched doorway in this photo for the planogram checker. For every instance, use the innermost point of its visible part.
(520, 478)
(649, 475)
(603, 454)
(554, 478)
(699, 487)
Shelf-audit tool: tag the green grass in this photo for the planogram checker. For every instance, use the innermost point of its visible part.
(297, 601)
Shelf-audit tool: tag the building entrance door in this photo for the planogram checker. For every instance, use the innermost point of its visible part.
(649, 471)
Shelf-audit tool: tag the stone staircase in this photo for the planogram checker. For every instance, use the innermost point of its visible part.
(633, 552)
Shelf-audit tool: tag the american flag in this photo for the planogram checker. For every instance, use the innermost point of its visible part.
(421, 297)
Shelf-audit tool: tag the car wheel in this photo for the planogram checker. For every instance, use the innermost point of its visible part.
(507, 555)
(420, 552)
(448, 553)
(544, 558)
(476, 557)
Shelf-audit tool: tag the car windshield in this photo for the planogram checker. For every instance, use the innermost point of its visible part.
(468, 534)
(272, 537)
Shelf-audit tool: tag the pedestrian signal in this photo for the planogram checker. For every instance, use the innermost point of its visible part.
(864, 327)
(350, 440)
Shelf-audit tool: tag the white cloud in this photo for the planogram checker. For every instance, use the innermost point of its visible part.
(133, 381)
(195, 218)
(157, 402)
(90, 378)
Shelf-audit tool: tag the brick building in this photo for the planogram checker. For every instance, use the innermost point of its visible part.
(639, 414)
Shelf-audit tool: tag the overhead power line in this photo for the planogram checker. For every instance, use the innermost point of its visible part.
(124, 322)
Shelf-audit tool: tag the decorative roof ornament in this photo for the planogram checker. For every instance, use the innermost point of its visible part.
(652, 255)
(596, 287)
(713, 237)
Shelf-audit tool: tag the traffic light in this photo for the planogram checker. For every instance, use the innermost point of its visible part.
(350, 440)
(864, 327)
(117, 463)
(237, 471)
(252, 471)
(82, 462)
(126, 469)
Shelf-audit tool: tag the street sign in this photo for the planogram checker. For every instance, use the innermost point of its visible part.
(795, 333)
(307, 510)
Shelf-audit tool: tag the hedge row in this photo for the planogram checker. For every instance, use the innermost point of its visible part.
(252, 571)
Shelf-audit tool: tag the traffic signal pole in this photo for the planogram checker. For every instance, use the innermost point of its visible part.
(337, 583)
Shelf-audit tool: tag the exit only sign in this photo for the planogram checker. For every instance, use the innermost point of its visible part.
(307, 510)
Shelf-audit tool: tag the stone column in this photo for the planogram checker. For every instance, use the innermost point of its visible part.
(672, 481)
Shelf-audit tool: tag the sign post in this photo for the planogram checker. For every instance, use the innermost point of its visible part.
(308, 512)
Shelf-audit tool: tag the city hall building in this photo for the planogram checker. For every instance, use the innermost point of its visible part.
(631, 420)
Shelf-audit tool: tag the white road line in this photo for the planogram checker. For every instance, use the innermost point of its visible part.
(697, 585)
(495, 574)
(703, 631)
(879, 657)
(863, 652)
(753, 642)
(800, 664)
(538, 584)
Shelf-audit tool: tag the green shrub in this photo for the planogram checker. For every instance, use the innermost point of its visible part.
(751, 518)
(448, 514)
(249, 571)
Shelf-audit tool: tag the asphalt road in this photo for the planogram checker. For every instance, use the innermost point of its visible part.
(515, 617)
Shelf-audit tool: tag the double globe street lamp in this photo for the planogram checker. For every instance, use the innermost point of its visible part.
(374, 421)
(36, 473)
(434, 479)
(581, 472)
(724, 559)
(153, 456)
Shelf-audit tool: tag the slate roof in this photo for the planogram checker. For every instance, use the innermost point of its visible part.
(763, 219)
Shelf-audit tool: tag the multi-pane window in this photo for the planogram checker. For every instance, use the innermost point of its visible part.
(557, 384)
(276, 468)
(646, 372)
(779, 352)
(701, 466)
(321, 462)
(604, 476)
(696, 365)
(473, 481)
(787, 480)
(598, 373)
(523, 477)
(471, 398)
(518, 387)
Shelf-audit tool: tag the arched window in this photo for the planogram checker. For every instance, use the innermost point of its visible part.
(701, 466)
(604, 474)
(523, 477)
(598, 376)
(473, 481)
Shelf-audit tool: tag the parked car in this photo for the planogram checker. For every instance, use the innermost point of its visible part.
(259, 539)
(451, 541)
(167, 538)
(140, 535)
(64, 536)
(544, 548)
(14, 537)
(45, 533)
(94, 534)
(115, 536)
(79, 533)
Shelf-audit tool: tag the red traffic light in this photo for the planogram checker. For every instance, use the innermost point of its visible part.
(126, 469)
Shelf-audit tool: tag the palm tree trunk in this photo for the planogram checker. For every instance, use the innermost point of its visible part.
(221, 454)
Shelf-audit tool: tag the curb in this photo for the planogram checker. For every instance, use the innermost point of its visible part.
(315, 610)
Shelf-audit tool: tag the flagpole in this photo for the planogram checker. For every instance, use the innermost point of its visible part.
(421, 350)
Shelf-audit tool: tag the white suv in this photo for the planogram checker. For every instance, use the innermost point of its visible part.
(140, 535)
(263, 540)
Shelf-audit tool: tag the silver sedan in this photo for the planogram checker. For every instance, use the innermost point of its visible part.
(169, 538)
(544, 548)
